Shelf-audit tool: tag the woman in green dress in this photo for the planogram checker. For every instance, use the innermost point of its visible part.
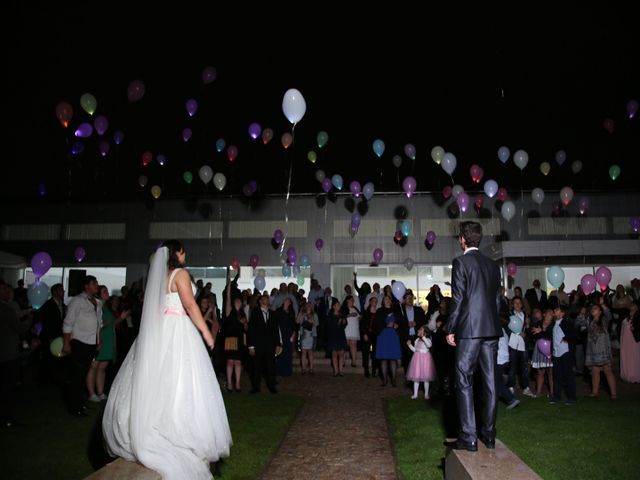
(97, 372)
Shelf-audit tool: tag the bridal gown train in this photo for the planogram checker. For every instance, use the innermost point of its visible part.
(165, 409)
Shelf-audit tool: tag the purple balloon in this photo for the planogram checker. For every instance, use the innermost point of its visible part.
(377, 255)
(135, 91)
(246, 190)
(79, 254)
(632, 108)
(634, 223)
(355, 188)
(40, 264)
(409, 186)
(253, 185)
(603, 277)
(326, 185)
(118, 137)
(77, 148)
(355, 221)
(278, 236)
(209, 74)
(319, 244)
(583, 205)
(104, 147)
(410, 151)
(255, 130)
(431, 237)
(186, 134)
(101, 124)
(292, 256)
(463, 201)
(192, 106)
(588, 283)
(161, 159)
(368, 190)
(544, 345)
(84, 130)
(254, 260)
(42, 189)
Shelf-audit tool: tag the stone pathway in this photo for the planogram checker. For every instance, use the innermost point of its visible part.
(341, 431)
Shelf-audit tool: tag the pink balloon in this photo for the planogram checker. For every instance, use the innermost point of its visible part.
(267, 135)
(476, 173)
(588, 283)
(377, 255)
(232, 152)
(603, 277)
(209, 74)
(479, 201)
(235, 264)
(502, 194)
(254, 260)
(608, 125)
(146, 158)
(512, 269)
(135, 91)
(446, 192)
(64, 113)
(409, 186)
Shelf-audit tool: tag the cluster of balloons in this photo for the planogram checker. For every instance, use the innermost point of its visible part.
(38, 292)
(602, 278)
(206, 174)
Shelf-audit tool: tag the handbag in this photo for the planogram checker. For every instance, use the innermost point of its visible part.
(231, 343)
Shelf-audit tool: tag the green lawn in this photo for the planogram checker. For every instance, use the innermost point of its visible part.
(594, 439)
(53, 445)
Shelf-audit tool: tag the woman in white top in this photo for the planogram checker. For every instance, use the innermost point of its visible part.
(352, 332)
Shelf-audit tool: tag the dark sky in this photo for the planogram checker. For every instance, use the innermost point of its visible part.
(469, 81)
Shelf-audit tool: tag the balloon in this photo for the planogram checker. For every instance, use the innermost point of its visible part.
(609, 125)
(56, 347)
(555, 276)
(410, 151)
(377, 255)
(278, 236)
(409, 186)
(79, 254)
(437, 153)
(118, 137)
(515, 324)
(319, 244)
(336, 180)
(378, 147)
(267, 135)
(508, 210)
(205, 173)
(235, 264)
(588, 283)
(456, 190)
(355, 221)
(490, 188)
(104, 147)
(232, 152)
(603, 277)
(576, 166)
(192, 106)
(463, 201)
(286, 140)
(326, 185)
(476, 173)
(40, 264)
(398, 236)
(254, 260)
(304, 261)
(156, 191)
(64, 113)
(408, 263)
(537, 195)
(566, 195)
(322, 138)
(368, 190)
(583, 205)
(632, 108)
(397, 161)
(502, 194)
(147, 157)
(521, 158)
(77, 148)
(634, 223)
(292, 256)
(614, 172)
(431, 237)
(447, 191)
(293, 105)
(37, 293)
(561, 156)
(135, 91)
(312, 156)
(479, 201)
(209, 74)
(188, 177)
(88, 103)
(42, 189)
(101, 124)
(219, 181)
(503, 154)
(187, 133)
(544, 346)
(286, 270)
(449, 163)
(220, 144)
(84, 130)
(320, 175)
(405, 228)
(143, 180)
(398, 289)
(512, 269)
(355, 188)
(545, 168)
(259, 283)
(255, 130)
(161, 159)
(300, 280)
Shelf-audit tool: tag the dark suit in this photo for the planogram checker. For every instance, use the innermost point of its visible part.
(475, 290)
(264, 337)
(51, 318)
(324, 312)
(532, 298)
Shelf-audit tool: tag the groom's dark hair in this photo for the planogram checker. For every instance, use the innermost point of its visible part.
(472, 233)
(174, 247)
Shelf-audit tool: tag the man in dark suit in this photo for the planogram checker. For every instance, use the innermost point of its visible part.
(323, 310)
(536, 297)
(263, 338)
(410, 319)
(473, 328)
(51, 316)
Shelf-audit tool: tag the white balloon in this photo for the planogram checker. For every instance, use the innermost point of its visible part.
(521, 158)
(508, 210)
(219, 180)
(397, 161)
(576, 166)
(409, 263)
(449, 162)
(561, 156)
(456, 190)
(537, 194)
(490, 188)
(503, 154)
(205, 174)
(320, 175)
(293, 105)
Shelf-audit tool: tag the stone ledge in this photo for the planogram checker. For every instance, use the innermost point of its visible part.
(121, 469)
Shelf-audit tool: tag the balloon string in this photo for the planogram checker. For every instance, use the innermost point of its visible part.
(286, 203)
(521, 205)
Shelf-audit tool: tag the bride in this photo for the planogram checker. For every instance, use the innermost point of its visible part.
(165, 409)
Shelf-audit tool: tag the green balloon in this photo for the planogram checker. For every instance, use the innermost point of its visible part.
(56, 347)
(312, 156)
(88, 103)
(300, 280)
(614, 172)
(188, 177)
(323, 138)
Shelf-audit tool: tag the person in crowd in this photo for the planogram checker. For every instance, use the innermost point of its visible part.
(336, 338)
(598, 355)
(558, 297)
(421, 367)
(443, 353)
(363, 292)
(502, 366)
(315, 292)
(634, 290)
(352, 330)
(324, 313)
(580, 325)
(433, 299)
(368, 336)
(234, 330)
(630, 346)
(620, 304)
(536, 297)
(563, 377)
(286, 319)
(283, 293)
(543, 364)
(518, 361)
(20, 295)
(307, 321)
(50, 316)
(388, 351)
(503, 303)
(264, 340)
(375, 292)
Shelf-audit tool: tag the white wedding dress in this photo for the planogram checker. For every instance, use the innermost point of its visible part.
(165, 409)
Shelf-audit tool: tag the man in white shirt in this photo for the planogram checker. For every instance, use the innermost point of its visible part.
(81, 332)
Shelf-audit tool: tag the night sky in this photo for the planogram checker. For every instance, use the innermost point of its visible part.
(534, 80)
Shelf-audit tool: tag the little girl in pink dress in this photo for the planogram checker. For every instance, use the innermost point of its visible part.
(421, 368)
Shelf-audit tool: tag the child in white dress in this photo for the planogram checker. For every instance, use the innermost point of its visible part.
(421, 368)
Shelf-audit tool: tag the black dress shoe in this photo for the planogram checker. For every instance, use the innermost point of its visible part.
(462, 445)
(490, 443)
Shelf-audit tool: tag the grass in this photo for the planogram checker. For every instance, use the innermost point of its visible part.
(54, 445)
(594, 439)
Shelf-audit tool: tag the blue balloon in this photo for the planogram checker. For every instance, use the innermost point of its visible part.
(355, 220)
(304, 261)
(490, 188)
(77, 148)
(503, 154)
(515, 324)
(398, 290)
(555, 276)
(118, 137)
(337, 182)
(259, 282)
(378, 147)
(286, 271)
(38, 293)
(220, 144)
(368, 190)
(405, 228)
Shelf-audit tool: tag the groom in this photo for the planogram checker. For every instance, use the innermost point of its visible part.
(473, 327)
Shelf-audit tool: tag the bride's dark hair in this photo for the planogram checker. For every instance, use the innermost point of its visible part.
(174, 247)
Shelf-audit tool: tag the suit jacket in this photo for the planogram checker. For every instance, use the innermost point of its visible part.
(51, 320)
(263, 335)
(403, 321)
(532, 299)
(475, 291)
(322, 308)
